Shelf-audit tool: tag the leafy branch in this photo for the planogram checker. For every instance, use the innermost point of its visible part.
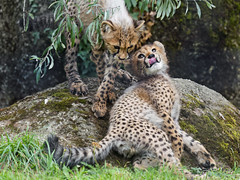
(67, 24)
(164, 8)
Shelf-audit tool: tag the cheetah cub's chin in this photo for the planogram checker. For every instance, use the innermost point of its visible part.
(150, 60)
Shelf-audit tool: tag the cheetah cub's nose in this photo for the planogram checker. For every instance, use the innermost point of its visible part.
(151, 56)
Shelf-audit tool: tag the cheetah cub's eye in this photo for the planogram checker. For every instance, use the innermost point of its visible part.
(116, 47)
(140, 56)
(130, 47)
(153, 50)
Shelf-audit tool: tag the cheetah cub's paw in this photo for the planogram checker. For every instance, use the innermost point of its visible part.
(78, 88)
(125, 77)
(99, 108)
(205, 160)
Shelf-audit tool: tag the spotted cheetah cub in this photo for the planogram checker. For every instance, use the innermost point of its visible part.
(143, 121)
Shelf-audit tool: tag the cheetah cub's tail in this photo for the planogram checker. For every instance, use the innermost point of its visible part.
(71, 157)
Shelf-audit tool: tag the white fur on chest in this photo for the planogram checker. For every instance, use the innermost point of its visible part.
(152, 116)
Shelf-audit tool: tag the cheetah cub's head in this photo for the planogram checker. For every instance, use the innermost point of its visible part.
(150, 60)
(121, 41)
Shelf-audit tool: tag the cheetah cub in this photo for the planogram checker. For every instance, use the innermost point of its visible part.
(143, 121)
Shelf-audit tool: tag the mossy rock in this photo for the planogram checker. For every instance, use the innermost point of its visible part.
(211, 119)
(206, 115)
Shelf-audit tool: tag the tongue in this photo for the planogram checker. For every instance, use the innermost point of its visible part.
(152, 60)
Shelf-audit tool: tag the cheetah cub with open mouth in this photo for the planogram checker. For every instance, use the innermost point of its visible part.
(143, 122)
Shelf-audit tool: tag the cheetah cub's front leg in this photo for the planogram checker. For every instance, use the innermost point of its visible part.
(104, 92)
(120, 40)
(194, 147)
(173, 135)
(76, 85)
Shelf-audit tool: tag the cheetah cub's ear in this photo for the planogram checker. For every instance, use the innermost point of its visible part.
(107, 27)
(139, 25)
(160, 45)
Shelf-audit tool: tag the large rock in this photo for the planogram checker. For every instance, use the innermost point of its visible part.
(205, 114)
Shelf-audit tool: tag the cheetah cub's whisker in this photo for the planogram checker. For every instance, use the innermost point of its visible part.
(143, 122)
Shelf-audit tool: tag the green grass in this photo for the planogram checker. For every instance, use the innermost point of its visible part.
(22, 157)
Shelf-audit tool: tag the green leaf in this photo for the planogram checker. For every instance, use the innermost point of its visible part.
(178, 4)
(52, 4)
(34, 57)
(38, 74)
(63, 28)
(45, 51)
(186, 7)
(56, 12)
(198, 9)
(144, 6)
(35, 70)
(153, 4)
(135, 15)
(69, 25)
(140, 4)
(59, 16)
(56, 43)
(55, 32)
(44, 68)
(27, 23)
(52, 62)
(31, 15)
(163, 15)
(134, 3)
(77, 29)
(168, 8)
(159, 8)
(128, 4)
(47, 61)
(159, 12)
(209, 5)
(63, 45)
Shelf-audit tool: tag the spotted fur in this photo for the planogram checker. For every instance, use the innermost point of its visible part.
(143, 121)
(121, 35)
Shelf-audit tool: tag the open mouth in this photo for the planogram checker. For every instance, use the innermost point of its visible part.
(152, 61)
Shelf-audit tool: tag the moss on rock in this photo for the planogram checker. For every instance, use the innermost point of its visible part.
(188, 127)
(212, 120)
